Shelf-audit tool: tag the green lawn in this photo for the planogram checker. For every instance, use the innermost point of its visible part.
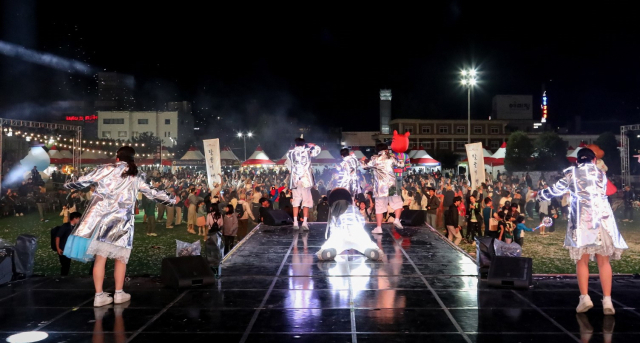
(549, 256)
(145, 259)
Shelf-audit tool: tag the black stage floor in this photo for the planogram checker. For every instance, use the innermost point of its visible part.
(273, 289)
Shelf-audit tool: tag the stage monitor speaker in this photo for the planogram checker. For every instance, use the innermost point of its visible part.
(277, 218)
(412, 217)
(186, 271)
(485, 253)
(6, 265)
(512, 272)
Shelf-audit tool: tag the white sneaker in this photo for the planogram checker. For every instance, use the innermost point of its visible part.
(585, 304)
(607, 306)
(295, 225)
(397, 224)
(102, 299)
(305, 226)
(121, 297)
(377, 230)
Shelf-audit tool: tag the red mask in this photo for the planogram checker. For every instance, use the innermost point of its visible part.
(400, 143)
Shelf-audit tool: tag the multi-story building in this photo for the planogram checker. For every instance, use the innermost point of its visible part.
(170, 126)
(448, 134)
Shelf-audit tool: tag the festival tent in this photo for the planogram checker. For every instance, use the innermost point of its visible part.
(570, 150)
(55, 156)
(193, 154)
(283, 160)
(228, 158)
(422, 158)
(356, 151)
(414, 151)
(66, 154)
(89, 157)
(486, 154)
(497, 159)
(573, 157)
(257, 158)
(324, 157)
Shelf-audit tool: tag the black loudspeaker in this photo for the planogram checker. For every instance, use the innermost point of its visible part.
(6, 265)
(513, 272)
(186, 271)
(485, 253)
(412, 217)
(277, 218)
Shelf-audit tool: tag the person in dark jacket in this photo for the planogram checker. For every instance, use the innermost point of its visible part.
(432, 207)
(451, 221)
(323, 209)
(474, 219)
(61, 240)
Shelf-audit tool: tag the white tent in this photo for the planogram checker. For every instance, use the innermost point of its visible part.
(66, 153)
(283, 160)
(55, 156)
(499, 155)
(356, 151)
(324, 157)
(193, 154)
(228, 158)
(422, 158)
(259, 157)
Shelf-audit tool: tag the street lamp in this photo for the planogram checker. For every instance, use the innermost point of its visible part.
(244, 137)
(469, 80)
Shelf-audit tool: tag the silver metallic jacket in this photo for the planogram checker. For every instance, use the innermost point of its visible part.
(299, 165)
(348, 178)
(111, 211)
(383, 176)
(589, 209)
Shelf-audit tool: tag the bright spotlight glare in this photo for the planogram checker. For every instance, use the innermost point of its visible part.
(249, 134)
(464, 82)
(27, 337)
(239, 134)
(473, 82)
(464, 73)
(472, 72)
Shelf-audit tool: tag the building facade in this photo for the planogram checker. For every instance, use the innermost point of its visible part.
(169, 126)
(441, 134)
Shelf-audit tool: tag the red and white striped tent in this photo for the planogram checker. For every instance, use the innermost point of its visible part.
(324, 157)
(573, 157)
(228, 158)
(486, 154)
(414, 151)
(258, 158)
(55, 156)
(357, 152)
(570, 150)
(283, 160)
(497, 159)
(66, 154)
(422, 158)
(193, 154)
(89, 157)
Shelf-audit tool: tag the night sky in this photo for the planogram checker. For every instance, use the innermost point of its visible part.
(324, 62)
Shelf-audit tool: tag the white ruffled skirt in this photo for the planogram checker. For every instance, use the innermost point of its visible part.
(109, 251)
(606, 248)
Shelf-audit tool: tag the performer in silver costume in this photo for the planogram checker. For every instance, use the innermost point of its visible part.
(107, 224)
(346, 227)
(591, 228)
(301, 178)
(348, 169)
(384, 184)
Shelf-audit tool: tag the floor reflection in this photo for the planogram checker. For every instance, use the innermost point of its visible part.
(586, 329)
(119, 331)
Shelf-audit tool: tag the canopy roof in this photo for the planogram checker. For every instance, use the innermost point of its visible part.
(193, 154)
(258, 157)
(421, 157)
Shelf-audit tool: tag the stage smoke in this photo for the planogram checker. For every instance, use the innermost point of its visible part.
(46, 59)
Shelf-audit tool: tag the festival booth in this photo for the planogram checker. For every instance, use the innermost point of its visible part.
(258, 159)
(421, 160)
(193, 158)
(497, 160)
(89, 157)
(228, 158)
(413, 152)
(56, 157)
(357, 152)
(573, 157)
(283, 160)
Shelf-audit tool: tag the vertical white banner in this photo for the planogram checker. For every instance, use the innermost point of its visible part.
(212, 158)
(475, 158)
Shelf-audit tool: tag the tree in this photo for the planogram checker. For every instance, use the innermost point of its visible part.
(550, 152)
(519, 150)
(608, 143)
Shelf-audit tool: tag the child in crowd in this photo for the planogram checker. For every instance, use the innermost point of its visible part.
(65, 214)
(520, 229)
(201, 218)
(508, 227)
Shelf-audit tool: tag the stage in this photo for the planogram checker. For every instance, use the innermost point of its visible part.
(274, 289)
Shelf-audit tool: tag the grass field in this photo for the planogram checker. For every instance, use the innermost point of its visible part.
(549, 257)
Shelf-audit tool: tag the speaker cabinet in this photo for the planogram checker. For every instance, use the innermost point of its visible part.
(412, 217)
(186, 271)
(510, 272)
(277, 218)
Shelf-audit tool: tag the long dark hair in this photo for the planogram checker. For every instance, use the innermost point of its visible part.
(126, 154)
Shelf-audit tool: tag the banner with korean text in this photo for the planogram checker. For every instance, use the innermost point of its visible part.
(212, 158)
(476, 164)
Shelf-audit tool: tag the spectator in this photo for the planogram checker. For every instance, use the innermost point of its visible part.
(201, 220)
(40, 203)
(171, 210)
(265, 207)
(518, 233)
(149, 207)
(61, 240)
(628, 197)
(244, 213)
(451, 221)
(474, 220)
(432, 207)
(230, 228)
(487, 214)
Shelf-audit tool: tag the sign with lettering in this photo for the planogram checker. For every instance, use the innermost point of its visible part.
(476, 164)
(88, 119)
(212, 158)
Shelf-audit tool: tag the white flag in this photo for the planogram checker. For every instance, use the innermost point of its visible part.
(212, 158)
(475, 158)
